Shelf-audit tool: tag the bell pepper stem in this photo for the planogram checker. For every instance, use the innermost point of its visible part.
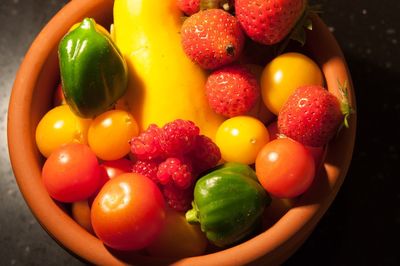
(192, 216)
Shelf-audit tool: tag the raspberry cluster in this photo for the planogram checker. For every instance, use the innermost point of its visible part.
(173, 156)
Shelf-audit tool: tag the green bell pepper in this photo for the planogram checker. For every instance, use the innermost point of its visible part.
(93, 71)
(228, 203)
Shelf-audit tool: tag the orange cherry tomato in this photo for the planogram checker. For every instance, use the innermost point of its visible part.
(109, 134)
(285, 168)
(129, 212)
(80, 211)
(60, 126)
(284, 74)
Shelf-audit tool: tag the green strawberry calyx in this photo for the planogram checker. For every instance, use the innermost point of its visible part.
(345, 106)
(210, 4)
(298, 32)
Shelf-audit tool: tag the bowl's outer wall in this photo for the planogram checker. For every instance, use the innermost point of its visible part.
(31, 98)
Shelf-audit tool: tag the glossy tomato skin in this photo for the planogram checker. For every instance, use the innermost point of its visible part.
(285, 168)
(240, 138)
(117, 167)
(60, 126)
(71, 173)
(284, 74)
(111, 169)
(129, 212)
(80, 212)
(109, 134)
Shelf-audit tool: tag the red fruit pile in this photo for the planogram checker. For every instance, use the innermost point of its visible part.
(213, 38)
(173, 156)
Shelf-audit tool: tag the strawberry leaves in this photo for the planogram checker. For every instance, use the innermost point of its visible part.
(298, 32)
(345, 106)
(209, 4)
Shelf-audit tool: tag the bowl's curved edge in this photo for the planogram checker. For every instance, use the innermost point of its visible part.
(21, 145)
(296, 224)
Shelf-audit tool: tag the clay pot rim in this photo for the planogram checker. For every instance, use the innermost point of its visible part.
(272, 246)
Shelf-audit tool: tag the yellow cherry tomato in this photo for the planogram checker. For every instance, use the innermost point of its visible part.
(110, 133)
(240, 139)
(178, 239)
(284, 74)
(60, 126)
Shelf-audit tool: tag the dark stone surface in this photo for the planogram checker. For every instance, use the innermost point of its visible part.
(361, 226)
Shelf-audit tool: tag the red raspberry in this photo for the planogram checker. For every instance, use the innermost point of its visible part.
(147, 145)
(146, 168)
(232, 90)
(176, 171)
(189, 7)
(205, 154)
(178, 199)
(178, 137)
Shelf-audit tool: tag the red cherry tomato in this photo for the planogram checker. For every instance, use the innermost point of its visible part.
(117, 167)
(111, 169)
(129, 212)
(316, 152)
(71, 173)
(285, 168)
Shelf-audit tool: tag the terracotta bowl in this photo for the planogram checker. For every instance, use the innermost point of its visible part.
(31, 98)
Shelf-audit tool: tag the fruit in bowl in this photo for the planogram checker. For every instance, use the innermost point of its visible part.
(285, 225)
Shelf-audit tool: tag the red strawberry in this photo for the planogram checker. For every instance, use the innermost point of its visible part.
(311, 115)
(189, 7)
(268, 21)
(232, 90)
(212, 38)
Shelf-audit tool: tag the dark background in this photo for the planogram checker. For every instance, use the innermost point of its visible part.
(360, 227)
